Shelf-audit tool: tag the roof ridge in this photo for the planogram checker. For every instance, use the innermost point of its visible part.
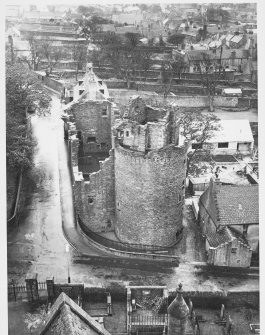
(67, 317)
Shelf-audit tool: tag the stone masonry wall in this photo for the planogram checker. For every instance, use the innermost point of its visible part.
(149, 194)
(93, 119)
(94, 199)
(199, 101)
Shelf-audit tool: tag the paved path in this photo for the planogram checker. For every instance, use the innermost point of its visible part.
(37, 245)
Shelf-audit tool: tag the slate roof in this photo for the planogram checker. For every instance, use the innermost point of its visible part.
(238, 204)
(236, 38)
(196, 55)
(66, 317)
(224, 235)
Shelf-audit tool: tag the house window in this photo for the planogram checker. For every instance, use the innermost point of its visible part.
(196, 146)
(81, 91)
(80, 82)
(104, 112)
(101, 91)
(233, 250)
(79, 135)
(127, 133)
(223, 145)
(91, 139)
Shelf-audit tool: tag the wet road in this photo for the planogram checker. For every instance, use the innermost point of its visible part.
(37, 245)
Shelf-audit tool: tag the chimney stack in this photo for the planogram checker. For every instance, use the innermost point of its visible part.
(217, 185)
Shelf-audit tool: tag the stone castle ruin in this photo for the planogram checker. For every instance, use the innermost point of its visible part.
(138, 190)
(149, 175)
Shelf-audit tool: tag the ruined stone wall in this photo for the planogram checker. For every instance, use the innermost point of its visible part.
(136, 110)
(149, 195)
(134, 136)
(156, 135)
(94, 199)
(93, 119)
(222, 255)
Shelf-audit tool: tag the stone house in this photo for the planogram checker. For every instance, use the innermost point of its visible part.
(229, 219)
(233, 136)
(229, 58)
(67, 317)
(237, 41)
(89, 87)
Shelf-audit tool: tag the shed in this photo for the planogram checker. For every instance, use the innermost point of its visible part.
(232, 92)
(199, 184)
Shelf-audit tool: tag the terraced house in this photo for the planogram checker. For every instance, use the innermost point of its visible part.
(229, 219)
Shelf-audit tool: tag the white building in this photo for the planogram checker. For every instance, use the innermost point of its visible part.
(232, 137)
(90, 87)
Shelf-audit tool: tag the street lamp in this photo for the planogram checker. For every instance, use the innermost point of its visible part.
(67, 249)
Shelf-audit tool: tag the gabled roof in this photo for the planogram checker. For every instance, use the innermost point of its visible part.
(238, 205)
(224, 235)
(236, 38)
(66, 317)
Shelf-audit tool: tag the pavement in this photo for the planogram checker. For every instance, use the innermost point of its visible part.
(37, 245)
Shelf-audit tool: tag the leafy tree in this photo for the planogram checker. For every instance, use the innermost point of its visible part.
(89, 10)
(23, 93)
(217, 15)
(143, 7)
(176, 39)
(155, 8)
(91, 25)
(202, 33)
(178, 67)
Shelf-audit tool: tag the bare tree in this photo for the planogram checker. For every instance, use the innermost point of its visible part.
(166, 74)
(51, 53)
(34, 47)
(198, 128)
(79, 55)
(210, 70)
(145, 62)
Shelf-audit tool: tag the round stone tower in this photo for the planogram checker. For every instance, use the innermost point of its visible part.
(150, 172)
(178, 312)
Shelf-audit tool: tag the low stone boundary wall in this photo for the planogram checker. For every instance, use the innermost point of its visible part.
(230, 298)
(167, 260)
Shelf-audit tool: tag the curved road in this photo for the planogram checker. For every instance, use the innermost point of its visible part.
(37, 245)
